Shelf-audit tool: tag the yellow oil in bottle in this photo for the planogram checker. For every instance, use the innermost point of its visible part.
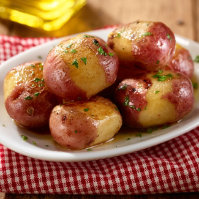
(48, 15)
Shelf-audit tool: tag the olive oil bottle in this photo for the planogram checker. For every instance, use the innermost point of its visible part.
(48, 15)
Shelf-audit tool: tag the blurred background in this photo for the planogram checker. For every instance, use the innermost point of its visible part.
(56, 18)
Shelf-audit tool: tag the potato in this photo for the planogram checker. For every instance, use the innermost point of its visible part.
(80, 67)
(182, 61)
(149, 45)
(84, 124)
(155, 98)
(27, 99)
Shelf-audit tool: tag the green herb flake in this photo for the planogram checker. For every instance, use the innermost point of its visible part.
(196, 59)
(138, 109)
(126, 101)
(128, 138)
(118, 35)
(162, 77)
(165, 126)
(84, 59)
(33, 85)
(95, 42)
(149, 130)
(195, 85)
(34, 143)
(101, 51)
(28, 98)
(36, 94)
(39, 57)
(33, 65)
(158, 61)
(24, 137)
(168, 36)
(147, 34)
(138, 135)
(41, 85)
(75, 131)
(69, 46)
(73, 51)
(86, 109)
(46, 145)
(116, 108)
(123, 87)
(88, 36)
(89, 149)
(111, 54)
(66, 51)
(37, 79)
(133, 107)
(156, 92)
(75, 63)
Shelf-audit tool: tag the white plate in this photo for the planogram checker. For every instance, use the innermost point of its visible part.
(46, 149)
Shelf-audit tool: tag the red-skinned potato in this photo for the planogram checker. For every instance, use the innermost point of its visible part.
(84, 124)
(27, 99)
(182, 61)
(149, 45)
(155, 98)
(80, 67)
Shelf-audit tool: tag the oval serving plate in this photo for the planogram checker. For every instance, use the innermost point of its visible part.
(41, 146)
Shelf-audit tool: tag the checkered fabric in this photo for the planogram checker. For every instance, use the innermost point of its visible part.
(169, 167)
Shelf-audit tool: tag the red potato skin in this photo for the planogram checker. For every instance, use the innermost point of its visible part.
(151, 52)
(135, 90)
(182, 96)
(182, 62)
(32, 113)
(73, 129)
(57, 71)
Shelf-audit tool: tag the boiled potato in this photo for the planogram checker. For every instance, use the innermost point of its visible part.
(155, 98)
(84, 124)
(149, 45)
(182, 61)
(27, 99)
(80, 67)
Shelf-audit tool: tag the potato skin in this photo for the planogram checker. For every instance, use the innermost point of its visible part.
(149, 45)
(84, 124)
(154, 99)
(182, 61)
(27, 99)
(80, 67)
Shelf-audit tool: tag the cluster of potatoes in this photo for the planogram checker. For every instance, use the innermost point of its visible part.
(141, 68)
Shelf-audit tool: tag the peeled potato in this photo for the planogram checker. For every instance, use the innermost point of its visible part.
(182, 61)
(27, 99)
(155, 99)
(80, 67)
(84, 124)
(149, 45)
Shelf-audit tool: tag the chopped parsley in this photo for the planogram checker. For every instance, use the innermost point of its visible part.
(126, 101)
(86, 109)
(66, 51)
(75, 63)
(128, 138)
(138, 134)
(37, 79)
(134, 108)
(156, 92)
(196, 59)
(195, 85)
(34, 143)
(28, 98)
(116, 108)
(24, 137)
(36, 94)
(111, 54)
(73, 51)
(33, 65)
(41, 85)
(147, 34)
(168, 36)
(75, 131)
(33, 85)
(88, 36)
(158, 61)
(89, 149)
(161, 77)
(39, 57)
(101, 51)
(118, 35)
(123, 87)
(165, 126)
(84, 59)
(95, 42)
(138, 109)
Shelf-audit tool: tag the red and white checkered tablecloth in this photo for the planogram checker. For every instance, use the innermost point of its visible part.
(169, 167)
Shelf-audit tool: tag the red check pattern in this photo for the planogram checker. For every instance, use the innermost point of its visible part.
(170, 167)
